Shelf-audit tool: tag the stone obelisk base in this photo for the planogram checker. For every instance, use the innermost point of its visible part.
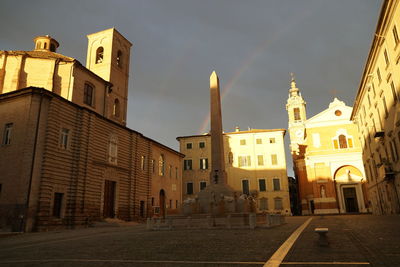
(216, 199)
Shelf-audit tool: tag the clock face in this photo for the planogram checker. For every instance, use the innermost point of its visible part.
(299, 133)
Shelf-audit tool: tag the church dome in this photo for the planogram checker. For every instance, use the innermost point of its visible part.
(45, 43)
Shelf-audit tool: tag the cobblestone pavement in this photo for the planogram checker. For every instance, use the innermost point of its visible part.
(352, 238)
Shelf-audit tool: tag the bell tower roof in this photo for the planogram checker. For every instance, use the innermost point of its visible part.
(294, 91)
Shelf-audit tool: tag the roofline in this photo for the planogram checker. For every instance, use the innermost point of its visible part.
(240, 132)
(113, 29)
(42, 91)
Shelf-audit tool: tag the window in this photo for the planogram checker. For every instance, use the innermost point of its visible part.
(143, 163)
(170, 171)
(38, 44)
(272, 141)
(119, 58)
(260, 160)
(385, 106)
(278, 203)
(45, 45)
(258, 141)
(203, 185)
(378, 73)
(7, 133)
(176, 172)
(203, 164)
(263, 204)
(342, 141)
(99, 55)
(277, 184)
(189, 146)
(152, 201)
(116, 108)
(161, 165)
(385, 54)
(189, 188)
(393, 150)
(88, 94)
(395, 35)
(52, 48)
(170, 203)
(316, 140)
(243, 142)
(296, 113)
(393, 92)
(261, 185)
(202, 144)
(244, 161)
(113, 149)
(176, 203)
(245, 187)
(274, 159)
(153, 165)
(187, 164)
(64, 138)
(57, 204)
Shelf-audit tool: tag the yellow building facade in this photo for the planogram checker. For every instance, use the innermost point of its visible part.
(327, 157)
(377, 112)
(254, 162)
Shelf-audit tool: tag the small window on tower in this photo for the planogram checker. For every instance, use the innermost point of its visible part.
(119, 59)
(99, 55)
(116, 108)
(296, 112)
(52, 48)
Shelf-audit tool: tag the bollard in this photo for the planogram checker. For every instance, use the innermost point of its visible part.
(252, 220)
(228, 221)
(322, 240)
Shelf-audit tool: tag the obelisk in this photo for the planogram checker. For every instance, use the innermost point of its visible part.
(218, 174)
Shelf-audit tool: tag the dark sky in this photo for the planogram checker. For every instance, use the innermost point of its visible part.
(253, 46)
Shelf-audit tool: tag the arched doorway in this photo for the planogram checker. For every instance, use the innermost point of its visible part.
(162, 203)
(349, 190)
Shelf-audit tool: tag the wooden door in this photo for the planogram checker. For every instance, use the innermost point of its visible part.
(109, 199)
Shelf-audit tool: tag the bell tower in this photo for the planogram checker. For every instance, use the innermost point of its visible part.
(296, 108)
(108, 56)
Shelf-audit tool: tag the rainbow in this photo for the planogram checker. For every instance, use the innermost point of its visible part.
(249, 61)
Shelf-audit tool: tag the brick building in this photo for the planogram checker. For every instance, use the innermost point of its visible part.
(66, 157)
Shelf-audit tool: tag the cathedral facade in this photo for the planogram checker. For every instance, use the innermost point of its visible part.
(66, 158)
(327, 158)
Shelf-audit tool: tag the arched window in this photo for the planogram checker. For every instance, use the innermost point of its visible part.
(38, 45)
(52, 48)
(113, 149)
(99, 55)
(342, 141)
(296, 113)
(119, 58)
(45, 46)
(116, 108)
(161, 165)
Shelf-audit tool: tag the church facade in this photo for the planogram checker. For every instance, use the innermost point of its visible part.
(327, 158)
(66, 158)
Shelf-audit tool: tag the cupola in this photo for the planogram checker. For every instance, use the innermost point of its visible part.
(45, 43)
